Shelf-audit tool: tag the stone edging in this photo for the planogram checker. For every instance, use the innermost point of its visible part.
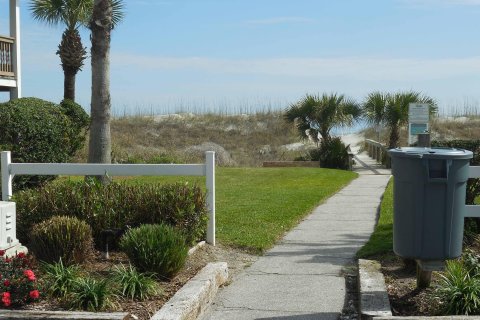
(32, 314)
(373, 294)
(192, 299)
(199, 245)
(374, 303)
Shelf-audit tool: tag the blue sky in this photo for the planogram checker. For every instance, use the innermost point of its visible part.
(236, 54)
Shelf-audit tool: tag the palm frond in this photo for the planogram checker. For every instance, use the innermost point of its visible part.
(118, 11)
(48, 11)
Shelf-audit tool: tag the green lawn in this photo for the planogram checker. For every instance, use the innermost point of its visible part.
(381, 241)
(256, 206)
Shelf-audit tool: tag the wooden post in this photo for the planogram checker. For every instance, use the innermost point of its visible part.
(424, 278)
(16, 92)
(424, 140)
(210, 177)
(7, 178)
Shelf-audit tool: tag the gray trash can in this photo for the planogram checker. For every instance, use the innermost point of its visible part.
(429, 201)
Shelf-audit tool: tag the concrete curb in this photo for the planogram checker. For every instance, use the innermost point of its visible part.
(191, 300)
(374, 300)
(199, 245)
(430, 318)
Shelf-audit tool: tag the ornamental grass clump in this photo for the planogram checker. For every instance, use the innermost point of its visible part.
(458, 290)
(60, 279)
(91, 295)
(18, 283)
(133, 284)
(61, 238)
(160, 249)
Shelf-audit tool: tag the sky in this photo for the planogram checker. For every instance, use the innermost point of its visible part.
(248, 55)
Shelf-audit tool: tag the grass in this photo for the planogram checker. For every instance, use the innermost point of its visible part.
(381, 240)
(242, 140)
(256, 206)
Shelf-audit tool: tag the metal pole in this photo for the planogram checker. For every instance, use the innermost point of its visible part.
(210, 181)
(7, 178)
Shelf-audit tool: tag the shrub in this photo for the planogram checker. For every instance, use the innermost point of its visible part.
(90, 294)
(133, 284)
(40, 131)
(59, 237)
(333, 154)
(60, 279)
(471, 262)
(115, 206)
(18, 283)
(155, 248)
(458, 290)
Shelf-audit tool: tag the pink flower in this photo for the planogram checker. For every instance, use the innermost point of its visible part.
(6, 299)
(2, 253)
(6, 283)
(29, 274)
(21, 255)
(34, 294)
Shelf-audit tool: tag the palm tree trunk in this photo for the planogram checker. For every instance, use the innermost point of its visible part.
(99, 150)
(394, 137)
(69, 84)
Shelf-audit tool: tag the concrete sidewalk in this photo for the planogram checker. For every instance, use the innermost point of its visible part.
(301, 277)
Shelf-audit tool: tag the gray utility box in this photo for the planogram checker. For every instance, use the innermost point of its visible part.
(429, 202)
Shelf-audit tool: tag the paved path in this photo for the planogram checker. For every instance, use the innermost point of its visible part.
(301, 277)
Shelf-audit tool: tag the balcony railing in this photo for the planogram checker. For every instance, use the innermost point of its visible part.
(6, 56)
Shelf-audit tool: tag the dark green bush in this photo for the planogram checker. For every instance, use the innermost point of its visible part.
(333, 153)
(61, 238)
(160, 249)
(40, 131)
(115, 206)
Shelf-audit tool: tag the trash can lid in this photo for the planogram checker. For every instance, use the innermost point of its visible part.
(430, 153)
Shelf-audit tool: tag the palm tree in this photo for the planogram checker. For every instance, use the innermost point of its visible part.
(72, 14)
(391, 110)
(317, 115)
(106, 13)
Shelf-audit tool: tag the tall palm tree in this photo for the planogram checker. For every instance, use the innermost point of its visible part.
(391, 110)
(317, 115)
(72, 14)
(106, 13)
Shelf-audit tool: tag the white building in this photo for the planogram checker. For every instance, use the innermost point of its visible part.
(10, 67)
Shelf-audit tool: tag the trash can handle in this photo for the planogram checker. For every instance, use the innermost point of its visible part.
(448, 164)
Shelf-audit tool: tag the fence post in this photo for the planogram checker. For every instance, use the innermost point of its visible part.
(7, 178)
(210, 181)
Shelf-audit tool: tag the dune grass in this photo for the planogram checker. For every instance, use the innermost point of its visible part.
(256, 206)
(381, 240)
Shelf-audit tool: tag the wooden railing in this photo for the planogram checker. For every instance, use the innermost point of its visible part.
(6, 56)
(378, 151)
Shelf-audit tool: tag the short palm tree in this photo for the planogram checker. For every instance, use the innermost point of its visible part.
(317, 115)
(72, 14)
(391, 110)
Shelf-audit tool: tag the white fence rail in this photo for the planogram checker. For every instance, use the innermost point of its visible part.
(377, 151)
(9, 170)
(473, 211)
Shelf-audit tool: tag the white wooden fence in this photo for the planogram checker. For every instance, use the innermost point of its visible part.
(9, 170)
(473, 210)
